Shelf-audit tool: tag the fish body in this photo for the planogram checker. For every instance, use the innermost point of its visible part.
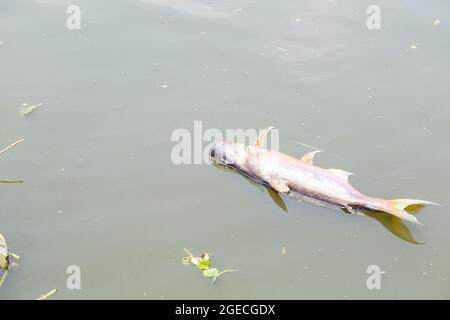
(301, 179)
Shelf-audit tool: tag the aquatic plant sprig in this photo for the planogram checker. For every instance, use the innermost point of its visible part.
(5, 259)
(4, 253)
(203, 262)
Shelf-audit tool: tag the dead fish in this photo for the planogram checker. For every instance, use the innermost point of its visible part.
(300, 178)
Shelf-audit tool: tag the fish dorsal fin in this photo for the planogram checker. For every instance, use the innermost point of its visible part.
(309, 157)
(260, 140)
(341, 173)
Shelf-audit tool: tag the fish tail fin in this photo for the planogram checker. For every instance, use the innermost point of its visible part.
(397, 207)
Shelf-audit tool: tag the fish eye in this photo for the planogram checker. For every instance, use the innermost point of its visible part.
(212, 153)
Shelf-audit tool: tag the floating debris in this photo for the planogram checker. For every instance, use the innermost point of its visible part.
(11, 146)
(283, 251)
(27, 109)
(11, 181)
(436, 23)
(3, 151)
(237, 10)
(14, 255)
(4, 254)
(3, 278)
(203, 262)
(307, 145)
(47, 295)
(280, 48)
(213, 273)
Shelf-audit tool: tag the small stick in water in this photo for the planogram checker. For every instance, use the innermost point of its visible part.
(3, 278)
(11, 181)
(307, 145)
(47, 295)
(14, 255)
(11, 146)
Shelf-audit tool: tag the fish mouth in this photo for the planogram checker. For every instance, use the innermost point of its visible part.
(222, 162)
(226, 153)
(218, 160)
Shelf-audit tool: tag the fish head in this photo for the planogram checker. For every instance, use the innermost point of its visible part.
(227, 153)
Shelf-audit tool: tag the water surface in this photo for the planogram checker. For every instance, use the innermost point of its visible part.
(101, 191)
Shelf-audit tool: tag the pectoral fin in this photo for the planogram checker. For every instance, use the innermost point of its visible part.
(309, 157)
(277, 199)
(279, 186)
(341, 173)
(260, 140)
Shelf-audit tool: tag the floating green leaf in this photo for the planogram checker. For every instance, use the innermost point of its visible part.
(204, 264)
(27, 109)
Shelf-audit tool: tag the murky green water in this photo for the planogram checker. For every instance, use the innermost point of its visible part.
(101, 191)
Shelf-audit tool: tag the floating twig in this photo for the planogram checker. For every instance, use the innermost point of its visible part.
(11, 146)
(12, 181)
(3, 278)
(47, 295)
(307, 145)
(14, 255)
